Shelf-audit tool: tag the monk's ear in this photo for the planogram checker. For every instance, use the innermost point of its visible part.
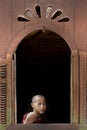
(32, 104)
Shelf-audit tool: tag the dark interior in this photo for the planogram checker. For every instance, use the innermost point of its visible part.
(43, 67)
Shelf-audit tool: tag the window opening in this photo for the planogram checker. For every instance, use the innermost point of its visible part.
(43, 62)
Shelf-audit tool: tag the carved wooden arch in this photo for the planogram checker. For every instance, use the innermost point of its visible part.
(74, 68)
(43, 25)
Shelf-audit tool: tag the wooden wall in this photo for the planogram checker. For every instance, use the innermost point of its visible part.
(10, 27)
(74, 32)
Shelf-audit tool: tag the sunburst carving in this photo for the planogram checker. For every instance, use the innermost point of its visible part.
(28, 14)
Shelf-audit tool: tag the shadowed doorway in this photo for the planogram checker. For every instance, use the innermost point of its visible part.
(43, 67)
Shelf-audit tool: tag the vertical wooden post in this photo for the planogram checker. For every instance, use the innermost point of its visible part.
(9, 91)
(83, 87)
(14, 102)
(74, 87)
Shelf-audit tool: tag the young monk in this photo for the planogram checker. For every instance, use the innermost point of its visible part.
(37, 115)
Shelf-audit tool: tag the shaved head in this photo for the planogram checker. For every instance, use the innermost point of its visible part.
(36, 97)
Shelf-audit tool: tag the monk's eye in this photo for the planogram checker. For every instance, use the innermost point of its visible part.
(39, 103)
(43, 104)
